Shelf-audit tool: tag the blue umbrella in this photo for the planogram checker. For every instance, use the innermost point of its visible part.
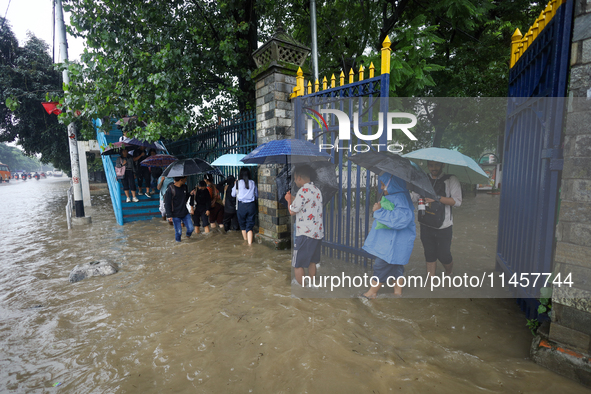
(230, 160)
(285, 151)
(456, 163)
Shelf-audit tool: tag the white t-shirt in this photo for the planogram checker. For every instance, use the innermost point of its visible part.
(308, 208)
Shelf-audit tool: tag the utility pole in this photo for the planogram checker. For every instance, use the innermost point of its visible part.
(73, 141)
(314, 40)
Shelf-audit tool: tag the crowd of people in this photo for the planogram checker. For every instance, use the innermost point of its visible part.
(229, 205)
(393, 232)
(146, 176)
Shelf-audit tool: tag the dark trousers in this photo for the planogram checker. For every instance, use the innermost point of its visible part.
(231, 221)
(128, 181)
(437, 244)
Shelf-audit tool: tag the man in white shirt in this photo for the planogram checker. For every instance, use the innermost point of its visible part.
(437, 220)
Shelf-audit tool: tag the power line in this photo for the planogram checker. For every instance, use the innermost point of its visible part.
(5, 14)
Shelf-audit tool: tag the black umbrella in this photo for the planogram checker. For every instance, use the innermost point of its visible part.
(379, 162)
(116, 148)
(326, 180)
(186, 167)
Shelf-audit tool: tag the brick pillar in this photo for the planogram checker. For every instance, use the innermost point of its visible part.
(569, 334)
(278, 61)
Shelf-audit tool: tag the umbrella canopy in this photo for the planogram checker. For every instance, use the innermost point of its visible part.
(231, 160)
(186, 167)
(116, 147)
(379, 162)
(285, 151)
(149, 145)
(456, 163)
(158, 161)
(326, 180)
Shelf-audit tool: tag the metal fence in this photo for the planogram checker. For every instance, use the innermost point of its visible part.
(533, 148)
(235, 135)
(347, 217)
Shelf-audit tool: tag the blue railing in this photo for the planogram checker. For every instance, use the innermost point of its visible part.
(114, 187)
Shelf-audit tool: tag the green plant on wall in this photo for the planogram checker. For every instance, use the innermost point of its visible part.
(544, 307)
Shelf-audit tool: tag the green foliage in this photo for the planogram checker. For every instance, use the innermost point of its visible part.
(169, 62)
(17, 160)
(544, 307)
(533, 325)
(177, 64)
(26, 76)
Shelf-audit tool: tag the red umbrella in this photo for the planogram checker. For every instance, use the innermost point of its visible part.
(158, 161)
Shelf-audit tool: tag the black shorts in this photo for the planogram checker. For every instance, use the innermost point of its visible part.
(437, 244)
(306, 250)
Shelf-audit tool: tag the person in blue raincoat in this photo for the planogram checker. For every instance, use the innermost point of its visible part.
(392, 234)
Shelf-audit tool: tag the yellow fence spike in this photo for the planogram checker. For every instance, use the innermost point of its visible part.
(361, 72)
(300, 81)
(554, 6)
(333, 81)
(351, 74)
(324, 84)
(316, 86)
(342, 78)
(386, 53)
(528, 37)
(548, 14)
(372, 70)
(309, 87)
(534, 31)
(515, 39)
(541, 22)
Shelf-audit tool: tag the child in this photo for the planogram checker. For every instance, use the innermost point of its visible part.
(200, 202)
(307, 207)
(393, 240)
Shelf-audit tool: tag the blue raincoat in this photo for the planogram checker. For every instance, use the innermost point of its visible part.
(393, 245)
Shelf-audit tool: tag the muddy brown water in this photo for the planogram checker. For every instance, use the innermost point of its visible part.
(212, 315)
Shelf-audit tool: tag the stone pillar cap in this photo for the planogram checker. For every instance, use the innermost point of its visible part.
(281, 48)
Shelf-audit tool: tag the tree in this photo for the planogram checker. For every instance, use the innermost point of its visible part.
(26, 76)
(16, 159)
(177, 64)
(447, 48)
(174, 64)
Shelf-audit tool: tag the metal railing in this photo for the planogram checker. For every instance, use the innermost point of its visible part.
(114, 187)
(70, 205)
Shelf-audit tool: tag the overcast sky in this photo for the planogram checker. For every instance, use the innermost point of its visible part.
(36, 16)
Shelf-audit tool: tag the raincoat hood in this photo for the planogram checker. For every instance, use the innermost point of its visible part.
(395, 185)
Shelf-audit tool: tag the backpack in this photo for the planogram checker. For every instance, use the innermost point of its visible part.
(435, 214)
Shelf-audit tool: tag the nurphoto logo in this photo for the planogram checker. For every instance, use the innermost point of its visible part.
(344, 133)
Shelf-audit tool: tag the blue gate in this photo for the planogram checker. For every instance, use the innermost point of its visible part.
(347, 215)
(532, 157)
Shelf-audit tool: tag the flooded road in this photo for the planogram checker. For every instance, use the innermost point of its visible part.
(212, 315)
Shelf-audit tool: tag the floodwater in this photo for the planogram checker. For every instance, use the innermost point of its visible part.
(212, 315)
